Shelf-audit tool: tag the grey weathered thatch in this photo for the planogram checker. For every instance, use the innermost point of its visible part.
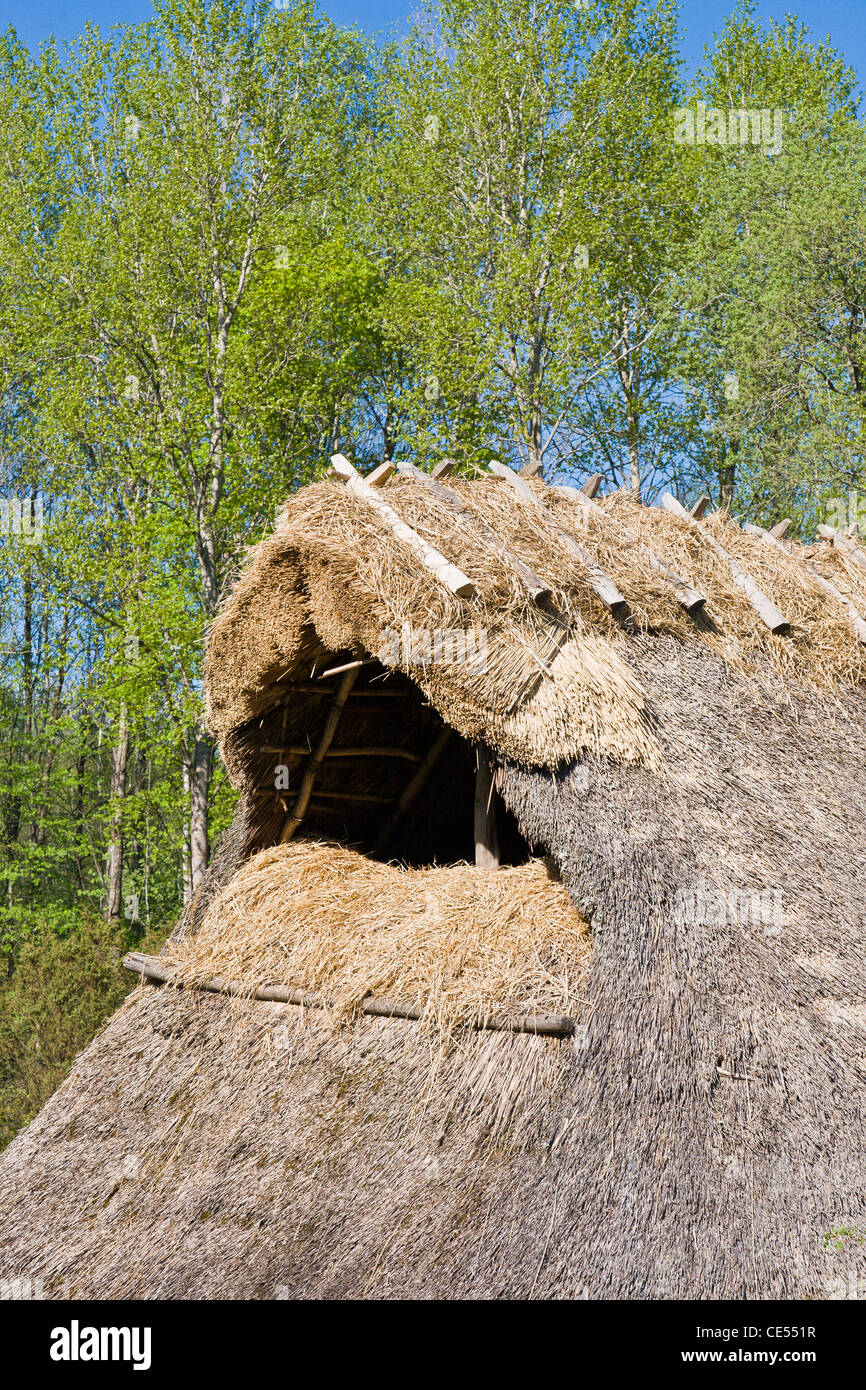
(697, 1137)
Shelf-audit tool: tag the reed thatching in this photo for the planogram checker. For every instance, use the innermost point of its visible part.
(701, 1132)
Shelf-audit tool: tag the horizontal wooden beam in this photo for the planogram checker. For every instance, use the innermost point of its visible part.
(160, 972)
(302, 751)
(362, 797)
(349, 666)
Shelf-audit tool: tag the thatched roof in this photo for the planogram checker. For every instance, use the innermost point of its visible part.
(702, 1128)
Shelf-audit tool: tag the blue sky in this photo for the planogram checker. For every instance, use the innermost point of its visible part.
(841, 20)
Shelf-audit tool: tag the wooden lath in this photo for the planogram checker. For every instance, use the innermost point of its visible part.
(531, 582)
(432, 560)
(856, 620)
(766, 610)
(345, 752)
(682, 591)
(600, 582)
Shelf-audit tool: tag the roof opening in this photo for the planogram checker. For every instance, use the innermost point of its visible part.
(355, 754)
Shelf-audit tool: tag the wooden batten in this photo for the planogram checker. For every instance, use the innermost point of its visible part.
(443, 468)
(855, 618)
(766, 610)
(349, 666)
(536, 587)
(682, 591)
(160, 972)
(600, 582)
(432, 560)
(380, 475)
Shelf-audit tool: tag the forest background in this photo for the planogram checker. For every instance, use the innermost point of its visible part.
(238, 237)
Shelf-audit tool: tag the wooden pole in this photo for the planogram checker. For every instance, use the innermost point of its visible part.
(486, 833)
(162, 973)
(843, 543)
(766, 610)
(856, 620)
(446, 573)
(536, 587)
(684, 594)
(315, 762)
(600, 582)
(413, 790)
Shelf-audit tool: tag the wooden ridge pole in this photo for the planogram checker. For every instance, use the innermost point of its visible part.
(163, 973)
(683, 592)
(827, 585)
(442, 569)
(600, 582)
(536, 587)
(766, 610)
(315, 762)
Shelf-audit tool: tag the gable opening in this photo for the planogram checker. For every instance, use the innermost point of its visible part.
(352, 752)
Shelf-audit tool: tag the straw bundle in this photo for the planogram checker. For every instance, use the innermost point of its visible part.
(458, 944)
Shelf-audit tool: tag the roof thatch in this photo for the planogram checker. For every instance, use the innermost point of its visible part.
(703, 1130)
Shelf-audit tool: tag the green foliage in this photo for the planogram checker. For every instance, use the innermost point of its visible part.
(771, 288)
(61, 990)
(841, 1236)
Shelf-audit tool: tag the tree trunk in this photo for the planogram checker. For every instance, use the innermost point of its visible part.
(199, 796)
(727, 474)
(633, 449)
(114, 862)
(184, 853)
